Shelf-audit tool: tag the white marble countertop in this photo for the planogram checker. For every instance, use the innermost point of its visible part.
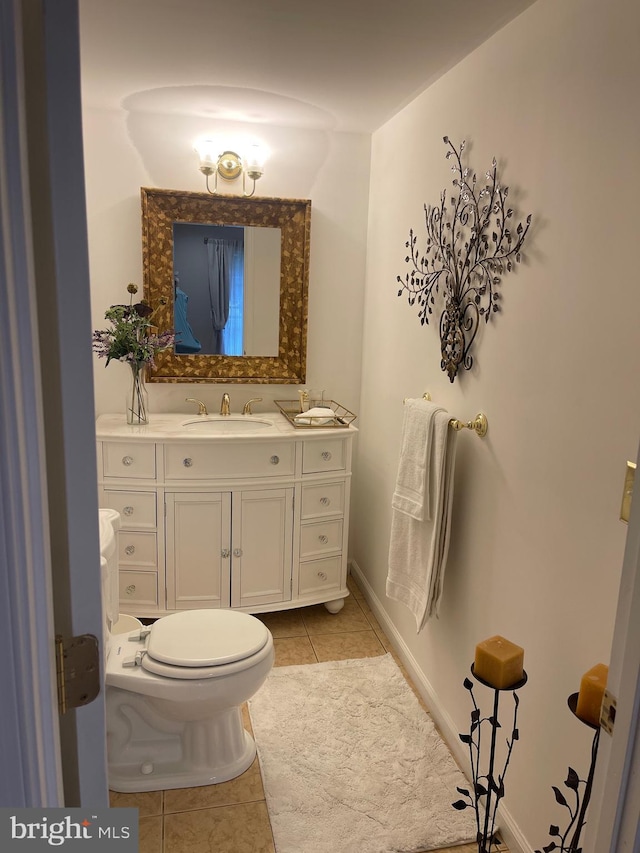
(180, 426)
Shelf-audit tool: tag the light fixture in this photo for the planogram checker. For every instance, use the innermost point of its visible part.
(229, 165)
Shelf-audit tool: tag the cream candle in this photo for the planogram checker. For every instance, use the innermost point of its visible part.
(592, 687)
(499, 662)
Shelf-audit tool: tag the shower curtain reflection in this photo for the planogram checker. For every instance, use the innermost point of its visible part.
(226, 294)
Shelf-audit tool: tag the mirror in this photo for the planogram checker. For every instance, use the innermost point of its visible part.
(230, 274)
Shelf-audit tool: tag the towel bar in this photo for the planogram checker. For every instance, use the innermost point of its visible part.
(479, 424)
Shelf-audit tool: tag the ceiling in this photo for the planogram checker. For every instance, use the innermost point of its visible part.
(345, 65)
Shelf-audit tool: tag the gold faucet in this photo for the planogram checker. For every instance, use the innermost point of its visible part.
(247, 406)
(225, 405)
(202, 409)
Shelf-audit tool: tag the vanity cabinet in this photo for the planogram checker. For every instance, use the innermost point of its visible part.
(252, 523)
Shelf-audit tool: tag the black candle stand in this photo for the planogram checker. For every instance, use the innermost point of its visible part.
(569, 840)
(488, 788)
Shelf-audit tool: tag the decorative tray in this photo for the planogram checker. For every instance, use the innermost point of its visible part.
(337, 417)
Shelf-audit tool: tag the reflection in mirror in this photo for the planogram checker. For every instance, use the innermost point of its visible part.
(227, 289)
(230, 275)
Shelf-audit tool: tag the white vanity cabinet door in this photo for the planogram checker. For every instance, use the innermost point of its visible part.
(198, 549)
(262, 547)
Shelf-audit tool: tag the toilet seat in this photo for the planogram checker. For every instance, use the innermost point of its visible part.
(203, 643)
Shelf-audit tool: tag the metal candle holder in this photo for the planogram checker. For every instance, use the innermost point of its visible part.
(488, 788)
(569, 840)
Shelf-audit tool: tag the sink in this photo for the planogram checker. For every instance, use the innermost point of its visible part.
(226, 424)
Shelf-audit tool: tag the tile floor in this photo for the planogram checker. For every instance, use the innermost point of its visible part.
(232, 817)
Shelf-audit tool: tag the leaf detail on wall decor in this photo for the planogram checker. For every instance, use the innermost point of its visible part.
(471, 243)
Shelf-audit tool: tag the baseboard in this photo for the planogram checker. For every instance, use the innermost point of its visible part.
(509, 830)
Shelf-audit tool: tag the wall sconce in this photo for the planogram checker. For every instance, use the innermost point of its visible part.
(229, 165)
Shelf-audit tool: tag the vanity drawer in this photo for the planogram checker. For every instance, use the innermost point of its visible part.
(322, 499)
(320, 575)
(134, 459)
(320, 538)
(137, 509)
(137, 549)
(138, 588)
(327, 455)
(213, 462)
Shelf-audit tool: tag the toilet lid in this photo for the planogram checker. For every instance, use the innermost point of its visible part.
(201, 638)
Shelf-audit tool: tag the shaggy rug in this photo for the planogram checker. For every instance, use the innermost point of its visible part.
(351, 762)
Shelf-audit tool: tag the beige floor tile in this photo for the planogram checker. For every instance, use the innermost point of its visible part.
(230, 829)
(147, 803)
(356, 644)
(285, 623)
(246, 719)
(318, 620)
(291, 651)
(150, 835)
(246, 788)
(353, 588)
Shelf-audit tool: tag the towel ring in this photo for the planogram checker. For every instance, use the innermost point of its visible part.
(479, 424)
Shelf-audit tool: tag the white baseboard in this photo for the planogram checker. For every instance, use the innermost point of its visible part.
(509, 830)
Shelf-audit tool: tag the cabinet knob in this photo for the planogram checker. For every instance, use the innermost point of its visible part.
(326, 455)
(130, 589)
(127, 510)
(130, 549)
(324, 539)
(325, 501)
(322, 576)
(188, 462)
(127, 460)
(237, 552)
(225, 553)
(274, 460)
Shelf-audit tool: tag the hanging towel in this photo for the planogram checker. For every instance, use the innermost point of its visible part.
(418, 547)
(411, 495)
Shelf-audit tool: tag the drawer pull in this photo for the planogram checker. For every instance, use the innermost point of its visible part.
(274, 460)
(322, 576)
(325, 501)
(130, 549)
(237, 552)
(188, 462)
(127, 510)
(326, 455)
(324, 539)
(225, 553)
(127, 460)
(130, 589)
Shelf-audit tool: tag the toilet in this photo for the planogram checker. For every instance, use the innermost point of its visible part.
(174, 689)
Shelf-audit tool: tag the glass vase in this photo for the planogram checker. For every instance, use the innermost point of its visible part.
(137, 402)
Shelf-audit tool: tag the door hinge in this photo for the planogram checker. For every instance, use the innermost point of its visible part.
(627, 492)
(77, 670)
(608, 712)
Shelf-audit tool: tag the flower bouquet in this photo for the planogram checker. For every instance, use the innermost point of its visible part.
(131, 338)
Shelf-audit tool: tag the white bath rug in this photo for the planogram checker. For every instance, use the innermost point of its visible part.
(351, 762)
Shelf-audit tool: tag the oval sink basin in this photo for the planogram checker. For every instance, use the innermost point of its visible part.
(226, 424)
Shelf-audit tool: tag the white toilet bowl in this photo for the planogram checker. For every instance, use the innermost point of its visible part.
(174, 692)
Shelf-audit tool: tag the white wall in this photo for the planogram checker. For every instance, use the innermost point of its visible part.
(130, 148)
(537, 544)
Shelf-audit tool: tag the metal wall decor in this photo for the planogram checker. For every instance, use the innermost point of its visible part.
(470, 246)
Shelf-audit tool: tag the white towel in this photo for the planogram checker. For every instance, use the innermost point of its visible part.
(411, 495)
(418, 548)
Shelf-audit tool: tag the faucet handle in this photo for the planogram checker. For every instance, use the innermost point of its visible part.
(202, 409)
(247, 406)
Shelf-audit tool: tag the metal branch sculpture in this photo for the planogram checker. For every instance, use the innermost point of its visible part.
(488, 788)
(469, 247)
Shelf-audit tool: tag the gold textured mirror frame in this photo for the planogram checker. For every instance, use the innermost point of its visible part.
(160, 210)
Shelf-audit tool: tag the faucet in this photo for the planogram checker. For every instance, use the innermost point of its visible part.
(202, 409)
(247, 406)
(225, 405)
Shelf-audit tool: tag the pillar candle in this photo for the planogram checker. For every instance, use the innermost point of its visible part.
(592, 687)
(499, 662)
